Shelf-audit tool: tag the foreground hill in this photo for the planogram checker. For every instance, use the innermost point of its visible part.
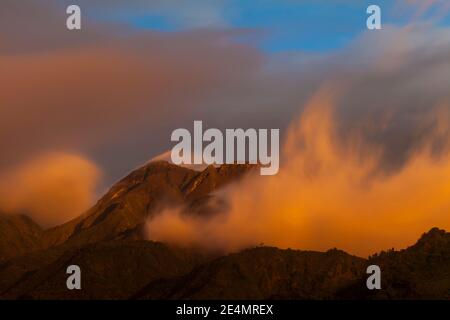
(149, 270)
(421, 271)
(110, 270)
(263, 273)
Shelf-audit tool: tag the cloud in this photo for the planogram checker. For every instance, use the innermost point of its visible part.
(365, 165)
(113, 95)
(167, 156)
(116, 93)
(51, 188)
(328, 193)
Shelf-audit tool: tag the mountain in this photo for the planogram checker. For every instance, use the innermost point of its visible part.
(117, 263)
(122, 211)
(18, 235)
(118, 217)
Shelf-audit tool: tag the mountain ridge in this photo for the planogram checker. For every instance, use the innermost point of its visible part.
(135, 269)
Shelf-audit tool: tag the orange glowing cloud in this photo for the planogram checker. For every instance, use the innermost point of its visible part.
(328, 193)
(52, 188)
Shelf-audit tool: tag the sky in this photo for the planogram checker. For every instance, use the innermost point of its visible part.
(105, 99)
(286, 24)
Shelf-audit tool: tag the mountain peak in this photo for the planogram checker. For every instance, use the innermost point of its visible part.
(123, 210)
